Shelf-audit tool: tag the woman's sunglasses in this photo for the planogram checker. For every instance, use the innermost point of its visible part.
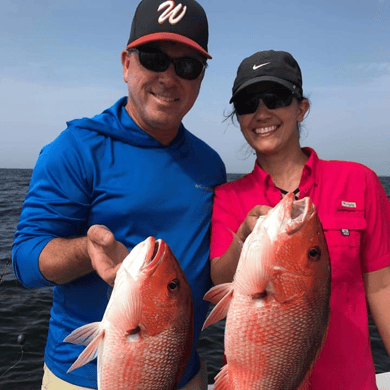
(187, 68)
(272, 99)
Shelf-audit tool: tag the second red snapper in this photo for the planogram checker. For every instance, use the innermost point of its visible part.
(278, 304)
(145, 338)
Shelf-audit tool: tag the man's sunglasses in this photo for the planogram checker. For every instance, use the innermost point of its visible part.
(157, 61)
(275, 98)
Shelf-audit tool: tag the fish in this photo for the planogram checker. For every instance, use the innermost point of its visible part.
(144, 340)
(277, 307)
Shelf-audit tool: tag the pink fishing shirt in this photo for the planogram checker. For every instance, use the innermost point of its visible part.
(355, 213)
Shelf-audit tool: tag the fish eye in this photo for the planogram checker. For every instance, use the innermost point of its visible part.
(314, 253)
(173, 284)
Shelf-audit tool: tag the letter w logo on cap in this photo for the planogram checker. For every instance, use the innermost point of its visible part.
(171, 13)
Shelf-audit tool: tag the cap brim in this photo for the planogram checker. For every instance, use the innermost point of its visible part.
(260, 79)
(166, 36)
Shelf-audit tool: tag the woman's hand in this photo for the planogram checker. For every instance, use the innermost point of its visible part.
(250, 221)
(223, 268)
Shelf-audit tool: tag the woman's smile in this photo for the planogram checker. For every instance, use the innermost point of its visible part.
(265, 130)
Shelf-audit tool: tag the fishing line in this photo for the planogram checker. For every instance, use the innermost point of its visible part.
(5, 268)
(21, 340)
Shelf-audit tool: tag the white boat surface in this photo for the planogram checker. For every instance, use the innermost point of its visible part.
(382, 381)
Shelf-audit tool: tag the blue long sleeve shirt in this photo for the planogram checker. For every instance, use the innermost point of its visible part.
(106, 170)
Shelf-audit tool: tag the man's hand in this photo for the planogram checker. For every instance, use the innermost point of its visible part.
(105, 252)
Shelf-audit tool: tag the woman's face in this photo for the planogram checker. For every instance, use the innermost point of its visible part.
(270, 131)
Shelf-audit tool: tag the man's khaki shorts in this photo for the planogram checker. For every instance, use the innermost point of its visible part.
(51, 382)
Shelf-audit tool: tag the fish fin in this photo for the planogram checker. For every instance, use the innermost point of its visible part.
(85, 334)
(220, 310)
(89, 353)
(305, 385)
(215, 294)
(128, 315)
(109, 292)
(222, 379)
(255, 269)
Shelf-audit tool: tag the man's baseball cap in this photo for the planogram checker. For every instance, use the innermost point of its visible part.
(181, 21)
(273, 66)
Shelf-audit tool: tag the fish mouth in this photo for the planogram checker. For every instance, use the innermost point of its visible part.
(296, 212)
(288, 216)
(155, 253)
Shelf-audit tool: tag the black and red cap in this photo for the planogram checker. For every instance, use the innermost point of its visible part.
(268, 66)
(181, 21)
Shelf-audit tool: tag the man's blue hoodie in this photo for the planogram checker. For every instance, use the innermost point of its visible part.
(106, 170)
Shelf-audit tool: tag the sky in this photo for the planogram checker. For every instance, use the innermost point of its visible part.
(60, 60)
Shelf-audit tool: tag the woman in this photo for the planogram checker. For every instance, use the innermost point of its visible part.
(351, 202)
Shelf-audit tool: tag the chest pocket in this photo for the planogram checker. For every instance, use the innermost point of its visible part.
(343, 230)
(343, 236)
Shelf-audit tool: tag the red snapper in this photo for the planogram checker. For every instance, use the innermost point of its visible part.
(277, 306)
(145, 338)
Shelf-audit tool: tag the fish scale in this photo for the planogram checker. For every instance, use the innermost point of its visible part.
(142, 366)
(270, 354)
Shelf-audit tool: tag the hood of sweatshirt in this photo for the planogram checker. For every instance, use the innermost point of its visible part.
(116, 123)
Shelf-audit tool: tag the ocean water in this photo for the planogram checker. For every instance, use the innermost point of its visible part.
(26, 312)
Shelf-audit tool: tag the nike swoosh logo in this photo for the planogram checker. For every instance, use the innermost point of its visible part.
(259, 66)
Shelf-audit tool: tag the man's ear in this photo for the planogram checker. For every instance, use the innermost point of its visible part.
(125, 59)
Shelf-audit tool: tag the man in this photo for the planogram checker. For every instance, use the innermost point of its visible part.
(107, 183)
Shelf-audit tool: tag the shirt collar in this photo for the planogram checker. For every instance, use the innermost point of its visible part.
(262, 176)
(309, 176)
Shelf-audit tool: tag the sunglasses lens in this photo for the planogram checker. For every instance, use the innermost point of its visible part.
(273, 99)
(277, 100)
(188, 68)
(154, 60)
(157, 61)
(248, 106)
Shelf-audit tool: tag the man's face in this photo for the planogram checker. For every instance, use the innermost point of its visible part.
(158, 101)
